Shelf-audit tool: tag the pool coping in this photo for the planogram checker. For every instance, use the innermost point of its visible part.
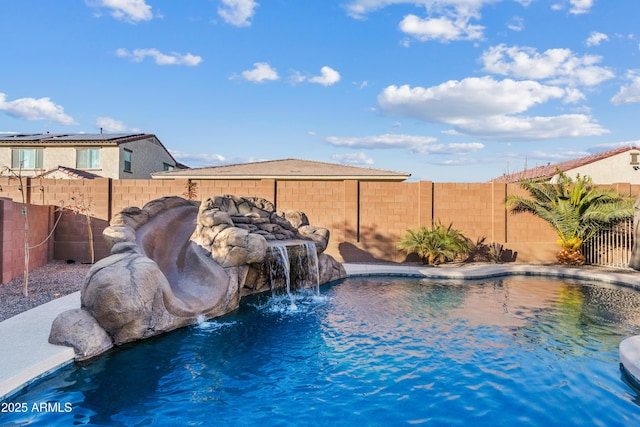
(26, 355)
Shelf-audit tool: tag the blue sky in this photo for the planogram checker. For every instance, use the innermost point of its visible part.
(447, 90)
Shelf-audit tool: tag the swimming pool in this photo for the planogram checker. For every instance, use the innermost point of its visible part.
(369, 351)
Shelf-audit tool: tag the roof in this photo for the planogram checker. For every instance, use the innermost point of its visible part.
(70, 172)
(286, 169)
(548, 171)
(73, 138)
(84, 139)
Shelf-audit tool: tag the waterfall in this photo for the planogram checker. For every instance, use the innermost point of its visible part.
(279, 262)
(296, 264)
(312, 268)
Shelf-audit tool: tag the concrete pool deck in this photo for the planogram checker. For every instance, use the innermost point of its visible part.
(26, 355)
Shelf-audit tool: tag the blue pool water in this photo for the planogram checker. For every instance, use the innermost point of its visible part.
(369, 352)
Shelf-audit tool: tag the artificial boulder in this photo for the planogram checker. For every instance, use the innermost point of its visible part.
(176, 261)
(78, 329)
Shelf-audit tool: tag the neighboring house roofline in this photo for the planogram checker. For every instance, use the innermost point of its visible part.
(549, 171)
(285, 169)
(71, 172)
(65, 139)
(81, 139)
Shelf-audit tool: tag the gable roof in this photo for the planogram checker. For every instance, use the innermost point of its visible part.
(81, 139)
(286, 169)
(549, 171)
(69, 172)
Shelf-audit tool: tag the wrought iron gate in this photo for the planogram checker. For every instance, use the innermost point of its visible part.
(611, 247)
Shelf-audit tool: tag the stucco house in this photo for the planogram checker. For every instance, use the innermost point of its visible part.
(105, 155)
(609, 167)
(286, 170)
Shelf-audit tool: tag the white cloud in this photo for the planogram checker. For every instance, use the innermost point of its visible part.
(488, 108)
(630, 93)
(559, 66)
(261, 72)
(595, 38)
(132, 11)
(108, 124)
(412, 142)
(138, 55)
(237, 12)
(523, 128)
(35, 109)
(353, 159)
(443, 28)
(197, 160)
(471, 97)
(580, 6)
(446, 20)
(328, 76)
(296, 77)
(516, 24)
(576, 7)
(360, 8)
(613, 145)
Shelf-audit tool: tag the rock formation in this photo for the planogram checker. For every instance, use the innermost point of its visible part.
(176, 261)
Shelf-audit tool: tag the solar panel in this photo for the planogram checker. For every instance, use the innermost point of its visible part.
(52, 137)
(92, 136)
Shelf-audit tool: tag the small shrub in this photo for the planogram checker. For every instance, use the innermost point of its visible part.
(435, 245)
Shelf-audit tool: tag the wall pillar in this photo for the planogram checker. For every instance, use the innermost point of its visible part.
(499, 212)
(351, 211)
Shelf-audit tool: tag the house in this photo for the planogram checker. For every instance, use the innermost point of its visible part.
(609, 167)
(105, 155)
(286, 170)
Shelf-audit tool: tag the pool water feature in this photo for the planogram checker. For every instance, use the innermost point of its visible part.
(292, 266)
(371, 351)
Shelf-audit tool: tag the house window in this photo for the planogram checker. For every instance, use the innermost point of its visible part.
(88, 158)
(26, 158)
(167, 167)
(127, 160)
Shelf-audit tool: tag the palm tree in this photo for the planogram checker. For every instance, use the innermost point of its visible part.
(576, 210)
(436, 245)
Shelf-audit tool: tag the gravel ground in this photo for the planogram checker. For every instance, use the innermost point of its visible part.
(46, 283)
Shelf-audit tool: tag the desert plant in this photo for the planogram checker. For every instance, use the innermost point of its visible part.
(483, 252)
(576, 210)
(435, 245)
(191, 190)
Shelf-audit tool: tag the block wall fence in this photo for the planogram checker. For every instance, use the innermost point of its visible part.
(366, 219)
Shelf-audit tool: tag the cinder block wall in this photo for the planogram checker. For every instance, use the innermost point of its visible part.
(366, 219)
(12, 237)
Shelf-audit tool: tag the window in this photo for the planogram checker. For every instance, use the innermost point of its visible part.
(127, 160)
(167, 167)
(26, 158)
(88, 158)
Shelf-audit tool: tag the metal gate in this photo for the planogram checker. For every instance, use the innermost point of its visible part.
(611, 247)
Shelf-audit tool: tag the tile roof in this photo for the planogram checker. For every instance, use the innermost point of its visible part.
(297, 169)
(548, 171)
(71, 172)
